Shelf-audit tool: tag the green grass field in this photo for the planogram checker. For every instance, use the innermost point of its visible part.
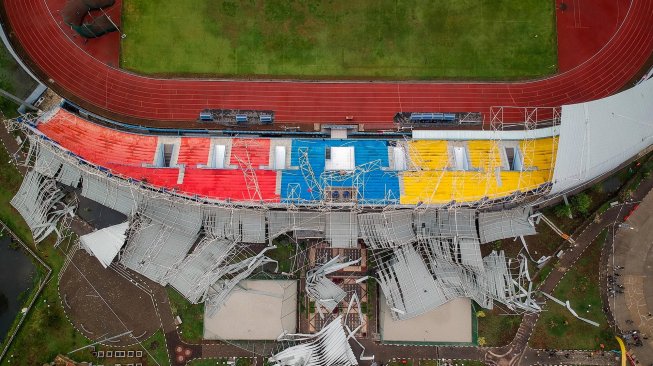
(380, 39)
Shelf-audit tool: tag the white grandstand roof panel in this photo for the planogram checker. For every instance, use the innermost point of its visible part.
(596, 137)
(483, 135)
(342, 229)
(106, 243)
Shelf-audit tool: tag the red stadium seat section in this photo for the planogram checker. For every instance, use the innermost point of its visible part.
(132, 156)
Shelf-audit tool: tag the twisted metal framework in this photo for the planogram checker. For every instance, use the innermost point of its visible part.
(321, 289)
(425, 256)
(40, 199)
(245, 164)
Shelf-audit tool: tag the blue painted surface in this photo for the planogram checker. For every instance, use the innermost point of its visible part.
(377, 184)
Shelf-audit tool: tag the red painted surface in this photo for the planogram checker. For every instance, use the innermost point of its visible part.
(194, 151)
(584, 27)
(256, 151)
(126, 153)
(373, 104)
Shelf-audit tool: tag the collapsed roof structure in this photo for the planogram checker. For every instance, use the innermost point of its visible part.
(425, 256)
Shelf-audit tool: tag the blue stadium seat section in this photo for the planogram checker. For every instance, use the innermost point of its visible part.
(374, 182)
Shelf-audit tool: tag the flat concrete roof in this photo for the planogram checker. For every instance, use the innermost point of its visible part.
(255, 310)
(451, 322)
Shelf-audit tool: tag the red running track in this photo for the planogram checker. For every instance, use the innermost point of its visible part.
(115, 92)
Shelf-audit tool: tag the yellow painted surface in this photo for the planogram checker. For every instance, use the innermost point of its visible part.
(433, 184)
(429, 154)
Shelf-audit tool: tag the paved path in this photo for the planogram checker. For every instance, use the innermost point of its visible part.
(633, 250)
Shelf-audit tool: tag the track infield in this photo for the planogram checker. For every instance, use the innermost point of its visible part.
(363, 39)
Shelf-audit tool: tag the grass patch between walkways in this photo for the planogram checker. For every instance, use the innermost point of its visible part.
(557, 328)
(192, 316)
(497, 328)
(385, 39)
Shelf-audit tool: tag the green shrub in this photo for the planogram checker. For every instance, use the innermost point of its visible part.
(581, 203)
(562, 211)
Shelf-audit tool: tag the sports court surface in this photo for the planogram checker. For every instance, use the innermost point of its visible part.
(451, 322)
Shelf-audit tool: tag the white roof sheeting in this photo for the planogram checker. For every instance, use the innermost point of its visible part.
(387, 229)
(342, 229)
(329, 347)
(596, 137)
(106, 243)
(504, 224)
(484, 135)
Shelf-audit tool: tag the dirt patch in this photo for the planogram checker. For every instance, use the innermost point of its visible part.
(101, 303)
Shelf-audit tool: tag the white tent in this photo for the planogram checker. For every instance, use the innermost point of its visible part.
(105, 244)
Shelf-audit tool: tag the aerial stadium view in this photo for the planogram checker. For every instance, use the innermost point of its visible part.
(299, 183)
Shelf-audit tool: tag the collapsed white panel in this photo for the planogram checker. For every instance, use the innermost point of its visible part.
(505, 224)
(105, 244)
(329, 347)
(387, 229)
(39, 202)
(596, 137)
(110, 193)
(342, 229)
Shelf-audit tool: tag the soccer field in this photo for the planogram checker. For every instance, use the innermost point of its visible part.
(338, 39)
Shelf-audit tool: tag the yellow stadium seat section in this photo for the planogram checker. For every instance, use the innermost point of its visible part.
(429, 154)
(435, 185)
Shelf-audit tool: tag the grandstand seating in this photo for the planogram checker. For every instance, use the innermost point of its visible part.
(430, 180)
(256, 151)
(484, 154)
(429, 154)
(194, 151)
(128, 154)
(372, 154)
(439, 186)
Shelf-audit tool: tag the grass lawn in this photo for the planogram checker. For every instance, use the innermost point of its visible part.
(496, 328)
(391, 39)
(284, 253)
(156, 346)
(192, 316)
(557, 328)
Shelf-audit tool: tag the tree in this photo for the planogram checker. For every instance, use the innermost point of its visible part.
(562, 211)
